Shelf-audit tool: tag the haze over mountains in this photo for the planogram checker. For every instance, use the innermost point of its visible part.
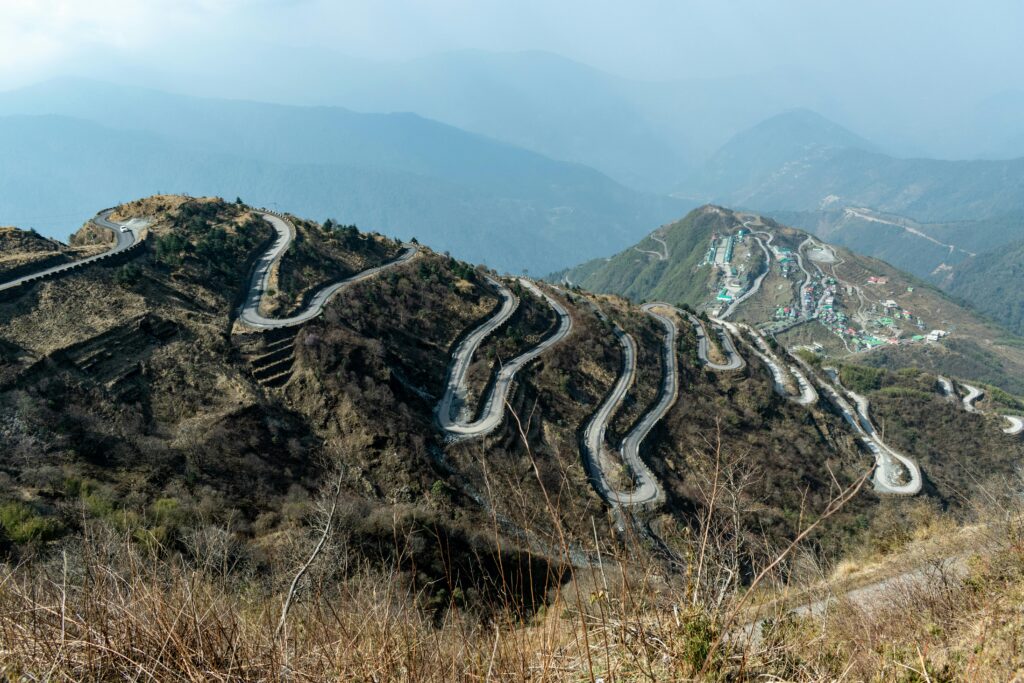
(541, 162)
(575, 341)
(648, 132)
(83, 142)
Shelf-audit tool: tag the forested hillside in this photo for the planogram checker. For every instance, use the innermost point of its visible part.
(991, 283)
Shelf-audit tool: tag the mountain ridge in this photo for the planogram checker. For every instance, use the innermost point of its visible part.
(978, 348)
(393, 177)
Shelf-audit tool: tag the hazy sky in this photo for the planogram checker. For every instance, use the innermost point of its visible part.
(921, 44)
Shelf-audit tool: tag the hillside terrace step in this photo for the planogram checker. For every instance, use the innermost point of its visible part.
(277, 380)
(279, 344)
(280, 366)
(263, 361)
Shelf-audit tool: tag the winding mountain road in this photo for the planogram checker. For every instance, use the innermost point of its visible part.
(449, 410)
(126, 235)
(808, 279)
(888, 462)
(735, 360)
(1015, 424)
(973, 394)
(946, 387)
(754, 288)
(647, 490)
(259, 283)
(886, 475)
(806, 393)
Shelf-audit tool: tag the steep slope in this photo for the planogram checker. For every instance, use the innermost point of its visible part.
(150, 431)
(990, 283)
(133, 383)
(394, 173)
(666, 265)
(889, 311)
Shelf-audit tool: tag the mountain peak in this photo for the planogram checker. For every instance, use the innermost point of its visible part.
(761, 150)
(804, 127)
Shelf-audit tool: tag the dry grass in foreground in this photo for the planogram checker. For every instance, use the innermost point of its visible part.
(106, 607)
(112, 613)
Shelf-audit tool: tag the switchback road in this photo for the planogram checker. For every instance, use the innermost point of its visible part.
(451, 406)
(734, 360)
(259, 283)
(647, 489)
(973, 394)
(888, 472)
(1016, 424)
(805, 394)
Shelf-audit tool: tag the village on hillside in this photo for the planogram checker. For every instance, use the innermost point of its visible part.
(864, 314)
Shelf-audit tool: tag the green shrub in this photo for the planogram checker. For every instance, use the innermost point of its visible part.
(700, 635)
(169, 513)
(860, 378)
(128, 274)
(23, 525)
(97, 504)
(906, 392)
(170, 249)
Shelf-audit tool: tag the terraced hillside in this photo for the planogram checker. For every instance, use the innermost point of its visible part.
(475, 439)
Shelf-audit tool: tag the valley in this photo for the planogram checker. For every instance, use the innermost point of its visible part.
(500, 342)
(236, 360)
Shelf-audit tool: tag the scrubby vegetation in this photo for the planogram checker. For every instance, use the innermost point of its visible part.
(324, 253)
(166, 516)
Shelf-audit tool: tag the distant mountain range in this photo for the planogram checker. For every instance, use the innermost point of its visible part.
(79, 143)
(648, 134)
(928, 217)
(645, 134)
(548, 179)
(799, 161)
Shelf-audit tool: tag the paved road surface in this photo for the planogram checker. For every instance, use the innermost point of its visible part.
(493, 411)
(807, 394)
(647, 490)
(807, 278)
(1016, 424)
(973, 394)
(760, 278)
(887, 474)
(887, 461)
(124, 239)
(871, 595)
(259, 283)
(735, 360)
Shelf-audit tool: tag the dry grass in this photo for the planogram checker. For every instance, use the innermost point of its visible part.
(108, 607)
